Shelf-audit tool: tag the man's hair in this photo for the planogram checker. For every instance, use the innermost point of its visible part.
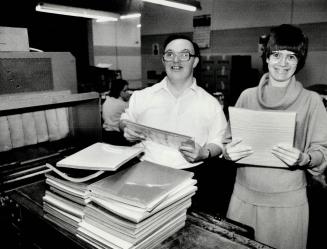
(287, 37)
(184, 37)
(116, 87)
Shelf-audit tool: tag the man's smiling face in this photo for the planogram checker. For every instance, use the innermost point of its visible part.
(179, 69)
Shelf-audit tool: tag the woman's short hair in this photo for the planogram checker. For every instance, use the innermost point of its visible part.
(116, 87)
(287, 37)
(184, 37)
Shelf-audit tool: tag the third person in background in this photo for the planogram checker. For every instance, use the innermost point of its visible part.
(114, 105)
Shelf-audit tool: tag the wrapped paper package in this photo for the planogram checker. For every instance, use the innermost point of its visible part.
(5, 140)
(29, 129)
(41, 126)
(16, 130)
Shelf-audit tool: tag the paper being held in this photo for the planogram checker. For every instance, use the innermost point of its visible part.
(262, 130)
(163, 137)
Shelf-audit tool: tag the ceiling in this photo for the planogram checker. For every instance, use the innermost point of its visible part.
(117, 6)
(15, 12)
(21, 13)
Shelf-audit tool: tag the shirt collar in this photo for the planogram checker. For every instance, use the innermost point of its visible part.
(163, 85)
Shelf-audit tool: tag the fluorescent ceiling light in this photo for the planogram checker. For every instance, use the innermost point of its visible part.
(102, 16)
(105, 20)
(130, 16)
(173, 4)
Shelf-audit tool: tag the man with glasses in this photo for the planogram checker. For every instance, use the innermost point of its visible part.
(177, 104)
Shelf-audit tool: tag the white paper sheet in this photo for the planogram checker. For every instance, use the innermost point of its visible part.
(100, 156)
(262, 130)
(167, 138)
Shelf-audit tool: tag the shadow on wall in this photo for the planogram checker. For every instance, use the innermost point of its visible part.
(321, 89)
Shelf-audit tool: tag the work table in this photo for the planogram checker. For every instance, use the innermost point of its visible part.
(30, 229)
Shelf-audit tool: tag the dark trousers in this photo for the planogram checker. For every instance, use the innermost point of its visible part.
(115, 138)
(215, 182)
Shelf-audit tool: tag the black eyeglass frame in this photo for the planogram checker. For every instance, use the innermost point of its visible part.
(189, 53)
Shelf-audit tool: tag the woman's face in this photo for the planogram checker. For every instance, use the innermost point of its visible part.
(282, 66)
(124, 93)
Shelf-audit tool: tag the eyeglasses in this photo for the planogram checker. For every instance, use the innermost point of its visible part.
(182, 56)
(276, 56)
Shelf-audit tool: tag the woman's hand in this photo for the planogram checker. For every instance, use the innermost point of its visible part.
(194, 153)
(290, 155)
(235, 151)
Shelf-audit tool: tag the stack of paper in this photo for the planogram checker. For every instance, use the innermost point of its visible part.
(100, 156)
(67, 194)
(64, 201)
(138, 207)
(76, 192)
(63, 212)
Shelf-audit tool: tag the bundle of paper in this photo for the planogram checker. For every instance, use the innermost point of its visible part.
(262, 130)
(63, 212)
(136, 214)
(64, 201)
(134, 232)
(143, 185)
(167, 138)
(102, 239)
(73, 191)
(68, 193)
(100, 156)
(94, 161)
(138, 207)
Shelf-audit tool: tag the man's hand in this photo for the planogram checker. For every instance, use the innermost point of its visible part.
(194, 153)
(290, 155)
(235, 151)
(133, 136)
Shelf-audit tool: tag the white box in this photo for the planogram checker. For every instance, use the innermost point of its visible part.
(13, 39)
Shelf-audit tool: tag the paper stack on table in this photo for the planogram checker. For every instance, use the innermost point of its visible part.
(61, 211)
(138, 207)
(64, 201)
(67, 189)
(100, 156)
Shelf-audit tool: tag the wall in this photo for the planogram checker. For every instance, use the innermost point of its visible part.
(233, 14)
(235, 29)
(118, 45)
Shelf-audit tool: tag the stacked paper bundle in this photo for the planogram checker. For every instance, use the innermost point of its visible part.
(138, 207)
(66, 196)
(64, 201)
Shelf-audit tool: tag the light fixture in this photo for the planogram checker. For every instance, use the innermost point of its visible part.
(174, 4)
(104, 20)
(101, 16)
(130, 16)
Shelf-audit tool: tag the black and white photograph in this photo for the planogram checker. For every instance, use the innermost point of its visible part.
(163, 124)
